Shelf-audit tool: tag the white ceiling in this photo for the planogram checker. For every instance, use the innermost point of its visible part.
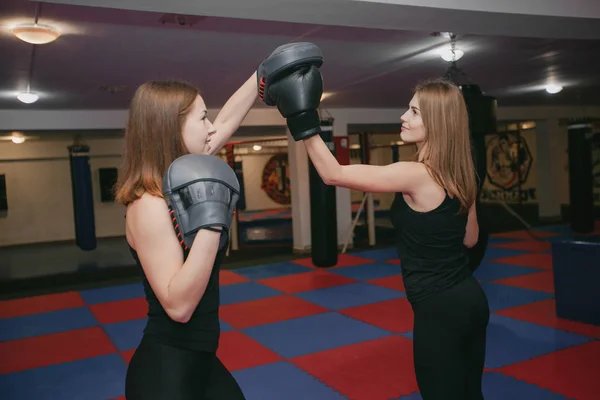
(507, 55)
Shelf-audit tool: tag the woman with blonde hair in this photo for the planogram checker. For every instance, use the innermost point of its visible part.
(434, 216)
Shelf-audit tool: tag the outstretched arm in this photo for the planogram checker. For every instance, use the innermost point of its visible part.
(233, 113)
(397, 177)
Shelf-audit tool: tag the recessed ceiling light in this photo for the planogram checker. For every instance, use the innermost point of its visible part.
(553, 88)
(35, 34)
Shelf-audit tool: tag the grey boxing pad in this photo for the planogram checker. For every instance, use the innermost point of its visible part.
(283, 61)
(202, 192)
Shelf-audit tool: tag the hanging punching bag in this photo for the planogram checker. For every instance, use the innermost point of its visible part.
(323, 218)
(83, 200)
(581, 179)
(482, 121)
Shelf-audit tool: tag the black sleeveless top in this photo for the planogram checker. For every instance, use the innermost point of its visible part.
(201, 332)
(430, 246)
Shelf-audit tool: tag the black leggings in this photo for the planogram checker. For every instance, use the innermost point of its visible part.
(449, 342)
(158, 372)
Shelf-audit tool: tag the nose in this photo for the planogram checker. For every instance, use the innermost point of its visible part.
(211, 129)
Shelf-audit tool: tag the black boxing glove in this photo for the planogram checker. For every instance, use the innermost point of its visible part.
(282, 61)
(202, 192)
(297, 97)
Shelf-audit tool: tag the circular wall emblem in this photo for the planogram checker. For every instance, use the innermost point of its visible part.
(508, 160)
(276, 179)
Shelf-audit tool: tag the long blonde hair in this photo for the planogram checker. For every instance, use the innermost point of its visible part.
(447, 148)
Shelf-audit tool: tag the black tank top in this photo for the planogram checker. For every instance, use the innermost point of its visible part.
(201, 332)
(430, 246)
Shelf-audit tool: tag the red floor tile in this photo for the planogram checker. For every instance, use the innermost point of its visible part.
(534, 260)
(306, 281)
(527, 245)
(120, 311)
(238, 351)
(393, 315)
(344, 260)
(544, 313)
(41, 351)
(395, 261)
(127, 355)
(524, 235)
(540, 281)
(391, 282)
(572, 372)
(265, 311)
(39, 304)
(373, 370)
(229, 278)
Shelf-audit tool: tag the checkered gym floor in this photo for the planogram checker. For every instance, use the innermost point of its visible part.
(291, 331)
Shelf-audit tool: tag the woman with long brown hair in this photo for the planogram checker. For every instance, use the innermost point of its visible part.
(434, 217)
(176, 358)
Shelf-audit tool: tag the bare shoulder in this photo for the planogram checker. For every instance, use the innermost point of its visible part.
(146, 215)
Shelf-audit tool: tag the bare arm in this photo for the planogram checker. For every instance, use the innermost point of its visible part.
(178, 285)
(233, 113)
(397, 177)
(472, 231)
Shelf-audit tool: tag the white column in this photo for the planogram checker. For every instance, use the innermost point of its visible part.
(300, 192)
(549, 162)
(342, 195)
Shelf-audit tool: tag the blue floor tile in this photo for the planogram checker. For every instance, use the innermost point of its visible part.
(510, 341)
(369, 271)
(246, 291)
(490, 271)
(350, 295)
(307, 335)
(379, 254)
(272, 270)
(112, 293)
(501, 296)
(499, 252)
(46, 323)
(285, 381)
(126, 335)
(225, 327)
(497, 386)
(98, 378)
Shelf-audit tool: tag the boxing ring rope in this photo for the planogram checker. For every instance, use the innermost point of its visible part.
(368, 198)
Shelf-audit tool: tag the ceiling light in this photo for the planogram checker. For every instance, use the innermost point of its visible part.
(35, 34)
(28, 97)
(447, 54)
(18, 139)
(553, 89)
(257, 147)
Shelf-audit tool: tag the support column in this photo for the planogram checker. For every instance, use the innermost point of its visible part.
(342, 195)
(299, 187)
(548, 152)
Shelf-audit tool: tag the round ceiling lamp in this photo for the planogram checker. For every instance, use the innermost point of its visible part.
(28, 97)
(35, 34)
(553, 88)
(452, 55)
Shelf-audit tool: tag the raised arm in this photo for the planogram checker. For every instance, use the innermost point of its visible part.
(178, 285)
(233, 113)
(397, 177)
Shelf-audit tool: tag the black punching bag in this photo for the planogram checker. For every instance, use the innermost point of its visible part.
(323, 219)
(83, 200)
(581, 183)
(482, 121)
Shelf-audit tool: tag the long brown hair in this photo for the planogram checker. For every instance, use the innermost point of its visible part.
(153, 138)
(447, 148)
